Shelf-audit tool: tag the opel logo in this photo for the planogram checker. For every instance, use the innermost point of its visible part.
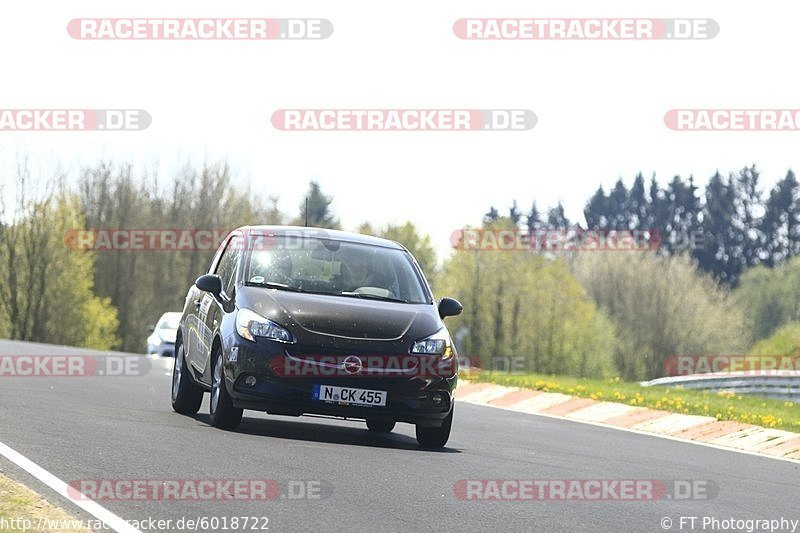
(352, 364)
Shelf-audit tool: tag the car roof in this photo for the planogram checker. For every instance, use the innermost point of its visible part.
(344, 236)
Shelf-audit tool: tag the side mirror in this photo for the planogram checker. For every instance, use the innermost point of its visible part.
(151, 328)
(449, 307)
(210, 283)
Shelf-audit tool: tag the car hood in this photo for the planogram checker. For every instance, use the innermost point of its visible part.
(340, 316)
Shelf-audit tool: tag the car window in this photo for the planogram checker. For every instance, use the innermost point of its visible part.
(226, 269)
(335, 267)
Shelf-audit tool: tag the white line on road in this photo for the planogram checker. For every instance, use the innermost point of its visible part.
(93, 508)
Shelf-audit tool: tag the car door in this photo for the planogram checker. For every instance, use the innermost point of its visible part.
(197, 302)
(210, 310)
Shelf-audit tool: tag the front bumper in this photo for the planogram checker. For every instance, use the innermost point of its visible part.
(409, 399)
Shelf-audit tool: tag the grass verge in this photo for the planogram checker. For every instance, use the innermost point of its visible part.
(19, 503)
(765, 412)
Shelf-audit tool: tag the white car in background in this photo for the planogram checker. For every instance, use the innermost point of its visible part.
(161, 341)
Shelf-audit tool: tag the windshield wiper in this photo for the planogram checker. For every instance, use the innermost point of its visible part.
(372, 297)
(273, 285)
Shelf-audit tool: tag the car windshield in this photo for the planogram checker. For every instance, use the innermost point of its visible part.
(327, 266)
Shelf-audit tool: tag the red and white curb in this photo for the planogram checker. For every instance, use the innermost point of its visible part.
(704, 430)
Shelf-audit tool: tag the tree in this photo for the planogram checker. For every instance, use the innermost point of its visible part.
(784, 341)
(637, 205)
(781, 223)
(617, 214)
(491, 216)
(45, 287)
(748, 210)
(718, 256)
(519, 304)
(596, 211)
(514, 214)
(316, 209)
(768, 297)
(682, 209)
(658, 210)
(534, 219)
(195, 199)
(661, 306)
(556, 218)
(419, 245)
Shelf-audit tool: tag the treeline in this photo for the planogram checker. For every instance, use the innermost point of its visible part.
(593, 314)
(46, 290)
(739, 227)
(589, 314)
(52, 292)
(144, 284)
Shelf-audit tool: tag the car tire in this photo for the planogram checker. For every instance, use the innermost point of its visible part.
(222, 412)
(380, 426)
(435, 437)
(186, 395)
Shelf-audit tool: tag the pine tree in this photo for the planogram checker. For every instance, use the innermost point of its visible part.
(491, 216)
(746, 219)
(533, 220)
(514, 214)
(683, 215)
(718, 256)
(315, 209)
(596, 211)
(556, 218)
(617, 203)
(780, 225)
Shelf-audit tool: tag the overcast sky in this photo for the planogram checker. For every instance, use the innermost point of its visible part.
(600, 104)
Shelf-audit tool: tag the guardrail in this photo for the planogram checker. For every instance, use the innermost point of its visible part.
(777, 384)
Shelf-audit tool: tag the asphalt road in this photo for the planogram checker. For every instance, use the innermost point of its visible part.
(124, 428)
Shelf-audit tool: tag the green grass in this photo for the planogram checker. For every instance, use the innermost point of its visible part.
(19, 502)
(765, 412)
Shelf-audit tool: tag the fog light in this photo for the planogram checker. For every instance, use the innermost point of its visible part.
(250, 381)
(437, 399)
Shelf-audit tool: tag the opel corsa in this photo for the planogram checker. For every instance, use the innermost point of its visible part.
(294, 321)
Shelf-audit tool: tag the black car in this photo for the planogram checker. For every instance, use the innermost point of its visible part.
(293, 321)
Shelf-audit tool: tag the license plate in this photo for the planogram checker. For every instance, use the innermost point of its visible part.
(349, 395)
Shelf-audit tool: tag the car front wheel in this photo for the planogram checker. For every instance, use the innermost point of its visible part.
(429, 437)
(222, 412)
(186, 395)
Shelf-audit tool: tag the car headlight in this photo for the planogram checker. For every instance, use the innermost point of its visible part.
(251, 325)
(437, 344)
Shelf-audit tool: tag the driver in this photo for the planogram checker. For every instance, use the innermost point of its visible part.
(355, 270)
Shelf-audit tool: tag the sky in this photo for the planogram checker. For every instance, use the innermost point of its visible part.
(600, 105)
